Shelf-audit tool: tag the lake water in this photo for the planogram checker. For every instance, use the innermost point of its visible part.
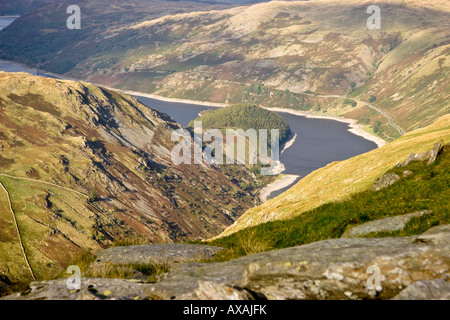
(6, 21)
(318, 142)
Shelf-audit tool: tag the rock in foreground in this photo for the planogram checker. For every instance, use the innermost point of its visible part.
(388, 224)
(157, 254)
(329, 269)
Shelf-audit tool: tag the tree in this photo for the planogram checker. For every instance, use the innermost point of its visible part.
(376, 126)
(372, 98)
(350, 102)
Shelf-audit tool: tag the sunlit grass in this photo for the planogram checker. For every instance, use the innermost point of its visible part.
(428, 188)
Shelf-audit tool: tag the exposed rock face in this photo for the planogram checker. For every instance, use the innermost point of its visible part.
(388, 224)
(436, 235)
(385, 181)
(157, 253)
(434, 153)
(406, 173)
(430, 155)
(329, 269)
(391, 178)
(426, 290)
(208, 290)
(91, 289)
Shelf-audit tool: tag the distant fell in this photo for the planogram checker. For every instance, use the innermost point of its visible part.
(316, 56)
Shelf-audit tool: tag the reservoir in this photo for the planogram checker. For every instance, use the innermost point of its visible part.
(318, 141)
(6, 21)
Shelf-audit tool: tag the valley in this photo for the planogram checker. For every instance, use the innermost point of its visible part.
(337, 141)
(90, 172)
(222, 56)
(86, 167)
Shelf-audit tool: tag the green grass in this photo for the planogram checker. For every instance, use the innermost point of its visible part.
(426, 189)
(118, 271)
(37, 225)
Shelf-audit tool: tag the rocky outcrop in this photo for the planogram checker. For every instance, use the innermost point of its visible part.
(329, 269)
(388, 224)
(208, 290)
(426, 290)
(385, 181)
(157, 254)
(91, 289)
(429, 156)
(390, 178)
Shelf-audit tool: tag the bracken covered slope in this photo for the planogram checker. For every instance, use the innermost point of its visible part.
(85, 166)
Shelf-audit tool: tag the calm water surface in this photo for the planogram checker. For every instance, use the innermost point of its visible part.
(318, 142)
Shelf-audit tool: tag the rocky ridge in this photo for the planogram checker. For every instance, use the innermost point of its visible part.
(388, 224)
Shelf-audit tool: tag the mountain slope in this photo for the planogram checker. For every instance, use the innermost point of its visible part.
(417, 199)
(85, 166)
(20, 7)
(304, 55)
(341, 179)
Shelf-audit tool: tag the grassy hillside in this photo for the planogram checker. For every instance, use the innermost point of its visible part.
(426, 188)
(340, 180)
(304, 55)
(85, 167)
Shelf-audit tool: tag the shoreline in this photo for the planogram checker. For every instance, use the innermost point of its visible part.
(278, 184)
(286, 180)
(288, 144)
(354, 127)
(166, 99)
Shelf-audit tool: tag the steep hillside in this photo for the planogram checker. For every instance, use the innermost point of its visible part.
(47, 29)
(304, 55)
(419, 198)
(83, 167)
(307, 257)
(342, 179)
(20, 7)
